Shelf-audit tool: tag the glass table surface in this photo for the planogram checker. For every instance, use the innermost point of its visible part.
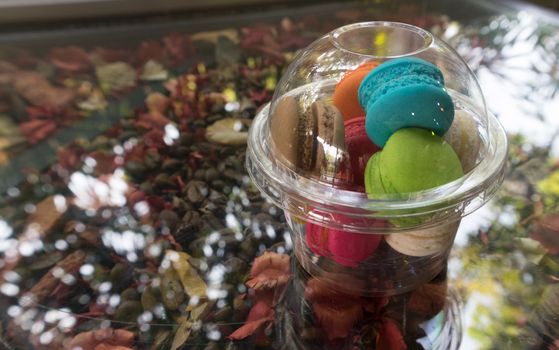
(128, 221)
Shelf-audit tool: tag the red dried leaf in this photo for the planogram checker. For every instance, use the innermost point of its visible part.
(389, 336)
(135, 197)
(36, 89)
(547, 232)
(51, 113)
(375, 305)
(71, 59)
(260, 97)
(178, 46)
(111, 55)
(149, 50)
(154, 138)
(335, 312)
(156, 202)
(104, 346)
(255, 35)
(37, 129)
(428, 299)
(106, 163)
(152, 121)
(270, 270)
(259, 315)
(137, 153)
(110, 337)
(69, 157)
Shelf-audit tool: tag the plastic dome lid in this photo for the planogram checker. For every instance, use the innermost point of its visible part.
(341, 102)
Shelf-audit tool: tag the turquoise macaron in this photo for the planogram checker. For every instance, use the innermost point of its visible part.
(405, 93)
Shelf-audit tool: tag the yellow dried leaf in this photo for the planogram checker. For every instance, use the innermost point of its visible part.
(182, 334)
(228, 131)
(193, 284)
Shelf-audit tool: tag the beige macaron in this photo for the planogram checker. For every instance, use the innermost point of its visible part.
(424, 242)
(463, 137)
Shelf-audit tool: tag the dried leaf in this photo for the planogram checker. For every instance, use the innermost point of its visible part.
(149, 50)
(157, 103)
(37, 130)
(48, 213)
(69, 157)
(106, 162)
(152, 121)
(191, 281)
(270, 270)
(71, 58)
(116, 76)
(46, 285)
(428, 299)
(198, 310)
(389, 336)
(109, 55)
(153, 71)
(104, 346)
(95, 102)
(9, 133)
(228, 131)
(111, 338)
(38, 91)
(182, 334)
(335, 312)
(260, 314)
(547, 232)
(178, 46)
(213, 36)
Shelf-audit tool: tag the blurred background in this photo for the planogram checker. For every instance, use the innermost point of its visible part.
(32, 13)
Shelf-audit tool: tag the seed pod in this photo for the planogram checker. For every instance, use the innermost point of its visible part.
(171, 165)
(169, 219)
(129, 294)
(172, 292)
(128, 311)
(135, 168)
(150, 298)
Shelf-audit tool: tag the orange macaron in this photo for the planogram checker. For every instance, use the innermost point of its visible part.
(345, 95)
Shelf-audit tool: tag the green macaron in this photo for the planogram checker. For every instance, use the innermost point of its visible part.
(412, 160)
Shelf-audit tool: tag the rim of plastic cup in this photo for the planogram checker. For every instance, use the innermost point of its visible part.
(427, 38)
(300, 195)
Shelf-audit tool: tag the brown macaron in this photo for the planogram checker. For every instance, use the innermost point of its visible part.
(330, 140)
(312, 140)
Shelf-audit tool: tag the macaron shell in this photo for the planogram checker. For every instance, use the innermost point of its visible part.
(394, 69)
(463, 137)
(373, 181)
(283, 129)
(411, 105)
(345, 94)
(306, 139)
(349, 249)
(316, 237)
(359, 148)
(424, 242)
(415, 160)
(330, 139)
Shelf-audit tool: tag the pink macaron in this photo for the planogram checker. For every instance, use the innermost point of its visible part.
(344, 247)
(359, 149)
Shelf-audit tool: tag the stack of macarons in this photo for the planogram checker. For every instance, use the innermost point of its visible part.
(390, 128)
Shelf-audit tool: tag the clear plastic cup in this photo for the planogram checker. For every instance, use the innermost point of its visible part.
(363, 243)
